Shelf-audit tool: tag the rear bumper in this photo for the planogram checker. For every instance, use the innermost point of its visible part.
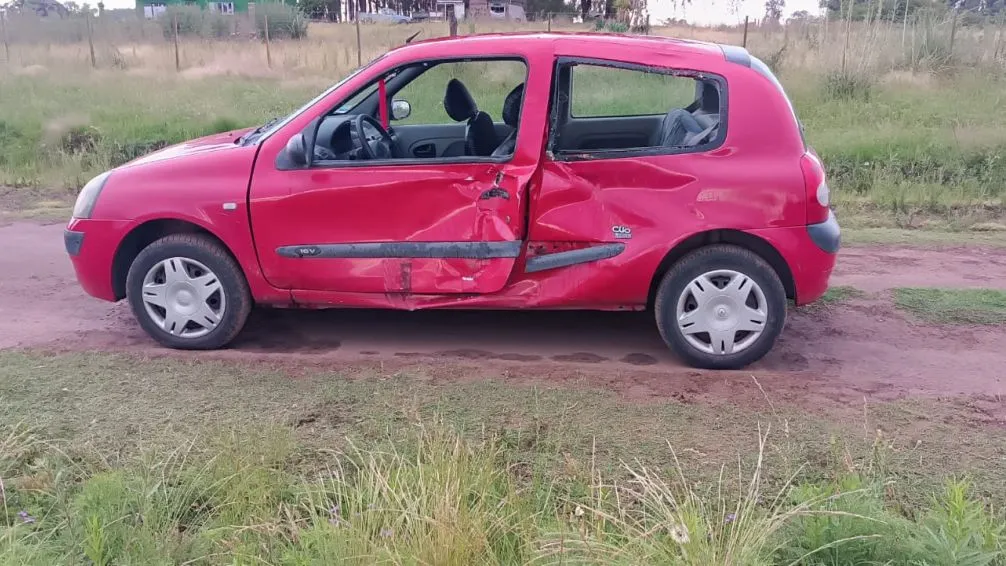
(91, 245)
(827, 235)
(810, 252)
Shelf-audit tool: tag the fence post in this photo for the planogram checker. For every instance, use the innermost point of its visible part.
(998, 42)
(174, 27)
(744, 44)
(359, 43)
(452, 20)
(3, 29)
(550, 21)
(953, 32)
(268, 52)
(90, 39)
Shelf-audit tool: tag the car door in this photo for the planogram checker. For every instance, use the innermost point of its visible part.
(450, 225)
(622, 196)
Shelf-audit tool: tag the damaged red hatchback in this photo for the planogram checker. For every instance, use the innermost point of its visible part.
(510, 171)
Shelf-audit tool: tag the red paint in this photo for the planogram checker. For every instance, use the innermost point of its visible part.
(758, 182)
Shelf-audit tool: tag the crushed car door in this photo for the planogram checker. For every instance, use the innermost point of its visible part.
(435, 226)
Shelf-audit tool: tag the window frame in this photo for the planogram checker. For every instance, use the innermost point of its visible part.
(569, 155)
(454, 160)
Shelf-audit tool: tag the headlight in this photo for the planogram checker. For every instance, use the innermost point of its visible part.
(89, 196)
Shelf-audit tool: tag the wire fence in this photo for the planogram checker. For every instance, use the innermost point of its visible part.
(181, 40)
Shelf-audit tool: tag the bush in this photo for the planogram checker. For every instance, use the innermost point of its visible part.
(188, 19)
(194, 22)
(848, 85)
(285, 22)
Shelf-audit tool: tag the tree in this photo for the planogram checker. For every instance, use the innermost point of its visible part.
(864, 9)
(773, 11)
(538, 7)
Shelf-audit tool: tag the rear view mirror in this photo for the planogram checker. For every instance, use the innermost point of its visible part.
(400, 109)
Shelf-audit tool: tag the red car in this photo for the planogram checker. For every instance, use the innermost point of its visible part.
(543, 171)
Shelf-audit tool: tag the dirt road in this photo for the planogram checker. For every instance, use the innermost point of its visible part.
(844, 353)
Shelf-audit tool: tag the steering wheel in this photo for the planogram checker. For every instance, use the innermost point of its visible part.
(375, 141)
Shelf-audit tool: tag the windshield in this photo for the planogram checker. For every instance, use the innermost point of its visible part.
(277, 124)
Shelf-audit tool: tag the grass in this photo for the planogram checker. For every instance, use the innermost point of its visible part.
(954, 306)
(232, 465)
(933, 238)
(839, 294)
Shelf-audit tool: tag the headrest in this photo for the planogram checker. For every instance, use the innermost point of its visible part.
(709, 101)
(511, 106)
(458, 102)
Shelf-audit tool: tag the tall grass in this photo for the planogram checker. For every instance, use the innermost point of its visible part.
(443, 497)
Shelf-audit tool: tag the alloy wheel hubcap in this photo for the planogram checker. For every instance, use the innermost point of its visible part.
(722, 312)
(183, 297)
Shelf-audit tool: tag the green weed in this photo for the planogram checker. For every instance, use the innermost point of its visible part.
(437, 496)
(954, 306)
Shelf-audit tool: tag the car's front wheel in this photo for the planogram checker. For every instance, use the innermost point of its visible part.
(188, 293)
(721, 307)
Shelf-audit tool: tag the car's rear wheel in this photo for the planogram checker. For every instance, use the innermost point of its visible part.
(720, 307)
(188, 293)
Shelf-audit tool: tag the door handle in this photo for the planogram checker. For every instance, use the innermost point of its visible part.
(496, 191)
(425, 150)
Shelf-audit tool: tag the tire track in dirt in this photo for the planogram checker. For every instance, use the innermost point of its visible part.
(828, 355)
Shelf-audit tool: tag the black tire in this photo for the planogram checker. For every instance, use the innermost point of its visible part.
(211, 254)
(705, 260)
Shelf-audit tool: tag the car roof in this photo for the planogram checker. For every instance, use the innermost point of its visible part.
(587, 42)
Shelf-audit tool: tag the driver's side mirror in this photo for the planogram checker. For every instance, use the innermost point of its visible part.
(299, 150)
(296, 150)
(400, 109)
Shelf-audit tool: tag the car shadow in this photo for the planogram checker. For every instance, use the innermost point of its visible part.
(564, 336)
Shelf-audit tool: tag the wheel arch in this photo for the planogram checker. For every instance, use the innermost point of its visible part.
(147, 233)
(739, 238)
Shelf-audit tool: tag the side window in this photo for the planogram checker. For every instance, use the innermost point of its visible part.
(488, 82)
(629, 108)
(614, 91)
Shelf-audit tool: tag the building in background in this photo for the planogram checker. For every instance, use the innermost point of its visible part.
(154, 8)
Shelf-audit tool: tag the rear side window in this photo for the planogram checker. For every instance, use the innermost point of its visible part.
(600, 91)
(612, 109)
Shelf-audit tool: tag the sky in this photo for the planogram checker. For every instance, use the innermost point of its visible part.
(700, 12)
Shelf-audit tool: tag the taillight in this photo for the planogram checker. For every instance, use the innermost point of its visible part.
(818, 193)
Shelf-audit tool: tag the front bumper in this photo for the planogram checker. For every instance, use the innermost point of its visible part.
(73, 242)
(91, 245)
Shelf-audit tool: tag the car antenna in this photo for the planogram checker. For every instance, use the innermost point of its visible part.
(413, 36)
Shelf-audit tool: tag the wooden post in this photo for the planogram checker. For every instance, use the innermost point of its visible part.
(90, 39)
(174, 26)
(953, 32)
(268, 52)
(998, 42)
(452, 21)
(359, 43)
(744, 42)
(550, 21)
(904, 25)
(3, 29)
